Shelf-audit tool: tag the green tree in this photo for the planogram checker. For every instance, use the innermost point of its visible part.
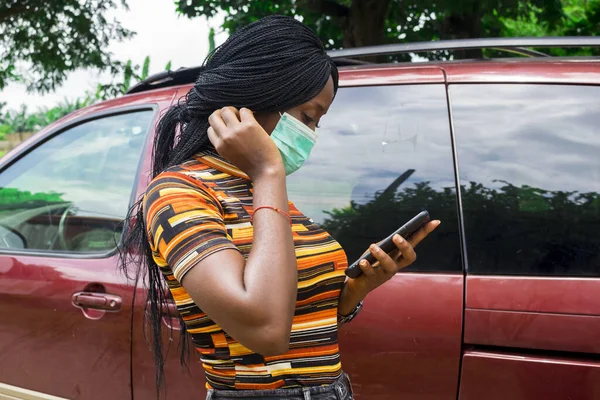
(41, 41)
(114, 89)
(353, 23)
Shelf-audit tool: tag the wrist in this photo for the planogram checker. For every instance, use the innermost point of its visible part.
(350, 297)
(272, 173)
(358, 288)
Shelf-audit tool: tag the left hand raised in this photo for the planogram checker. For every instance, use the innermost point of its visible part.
(388, 265)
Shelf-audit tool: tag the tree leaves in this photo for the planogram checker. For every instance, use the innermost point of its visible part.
(41, 41)
(349, 23)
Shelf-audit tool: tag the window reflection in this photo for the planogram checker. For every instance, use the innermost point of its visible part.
(382, 156)
(529, 162)
(72, 192)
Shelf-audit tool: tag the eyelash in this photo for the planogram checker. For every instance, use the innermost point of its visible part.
(309, 120)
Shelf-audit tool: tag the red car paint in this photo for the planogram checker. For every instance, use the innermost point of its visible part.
(500, 376)
(407, 343)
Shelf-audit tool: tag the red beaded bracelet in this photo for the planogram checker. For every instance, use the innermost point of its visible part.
(271, 208)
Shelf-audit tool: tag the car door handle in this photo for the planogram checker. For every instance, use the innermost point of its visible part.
(98, 301)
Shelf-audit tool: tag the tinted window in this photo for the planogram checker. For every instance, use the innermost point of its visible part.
(383, 155)
(72, 192)
(529, 161)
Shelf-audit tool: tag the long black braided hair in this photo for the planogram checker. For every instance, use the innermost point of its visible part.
(273, 64)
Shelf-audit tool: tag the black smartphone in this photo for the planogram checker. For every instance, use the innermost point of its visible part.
(387, 244)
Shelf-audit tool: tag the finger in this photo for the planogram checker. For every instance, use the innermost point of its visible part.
(423, 231)
(213, 137)
(366, 268)
(385, 261)
(216, 122)
(230, 116)
(246, 115)
(408, 252)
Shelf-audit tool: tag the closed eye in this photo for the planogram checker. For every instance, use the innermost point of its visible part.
(308, 120)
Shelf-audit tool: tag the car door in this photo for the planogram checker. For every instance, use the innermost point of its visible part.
(529, 167)
(385, 153)
(65, 309)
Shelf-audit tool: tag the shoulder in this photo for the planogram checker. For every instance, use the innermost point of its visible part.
(190, 174)
(177, 183)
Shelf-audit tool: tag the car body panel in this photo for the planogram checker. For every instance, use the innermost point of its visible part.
(50, 346)
(551, 70)
(530, 330)
(559, 295)
(407, 341)
(518, 376)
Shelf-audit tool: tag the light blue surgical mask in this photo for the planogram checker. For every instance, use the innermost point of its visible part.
(294, 141)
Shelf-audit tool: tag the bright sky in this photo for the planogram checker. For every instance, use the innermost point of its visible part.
(161, 34)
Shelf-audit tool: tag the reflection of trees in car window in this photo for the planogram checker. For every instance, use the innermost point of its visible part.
(72, 192)
(531, 155)
(383, 155)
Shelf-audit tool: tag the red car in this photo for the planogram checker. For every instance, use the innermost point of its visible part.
(502, 303)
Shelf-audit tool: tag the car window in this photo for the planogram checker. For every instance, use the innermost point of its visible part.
(529, 163)
(72, 192)
(383, 155)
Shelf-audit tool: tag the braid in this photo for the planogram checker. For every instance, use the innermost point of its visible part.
(273, 64)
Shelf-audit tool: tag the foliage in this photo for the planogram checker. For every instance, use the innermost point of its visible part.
(12, 196)
(211, 40)
(549, 230)
(41, 41)
(579, 17)
(22, 121)
(352, 23)
(115, 89)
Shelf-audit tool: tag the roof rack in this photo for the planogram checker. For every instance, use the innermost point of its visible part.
(346, 57)
(163, 79)
(515, 45)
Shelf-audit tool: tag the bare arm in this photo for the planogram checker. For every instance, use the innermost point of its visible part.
(253, 300)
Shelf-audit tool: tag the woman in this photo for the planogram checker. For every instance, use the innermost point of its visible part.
(260, 288)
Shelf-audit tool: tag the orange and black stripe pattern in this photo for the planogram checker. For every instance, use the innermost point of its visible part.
(203, 206)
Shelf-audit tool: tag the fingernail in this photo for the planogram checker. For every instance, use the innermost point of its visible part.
(438, 222)
(363, 263)
(375, 248)
(399, 239)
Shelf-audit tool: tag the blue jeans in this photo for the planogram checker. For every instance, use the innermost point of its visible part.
(341, 389)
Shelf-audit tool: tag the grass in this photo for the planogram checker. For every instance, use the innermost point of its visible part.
(2, 153)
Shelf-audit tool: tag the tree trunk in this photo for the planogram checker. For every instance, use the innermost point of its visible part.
(466, 25)
(365, 25)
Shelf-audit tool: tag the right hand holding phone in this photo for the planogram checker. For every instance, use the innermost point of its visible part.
(387, 265)
(238, 137)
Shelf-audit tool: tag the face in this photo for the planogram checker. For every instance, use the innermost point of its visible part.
(309, 113)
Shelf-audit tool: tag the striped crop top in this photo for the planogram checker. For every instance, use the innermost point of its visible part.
(203, 206)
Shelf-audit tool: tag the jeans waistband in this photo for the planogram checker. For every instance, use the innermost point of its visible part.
(341, 389)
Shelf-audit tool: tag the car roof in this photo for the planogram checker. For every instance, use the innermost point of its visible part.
(511, 70)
